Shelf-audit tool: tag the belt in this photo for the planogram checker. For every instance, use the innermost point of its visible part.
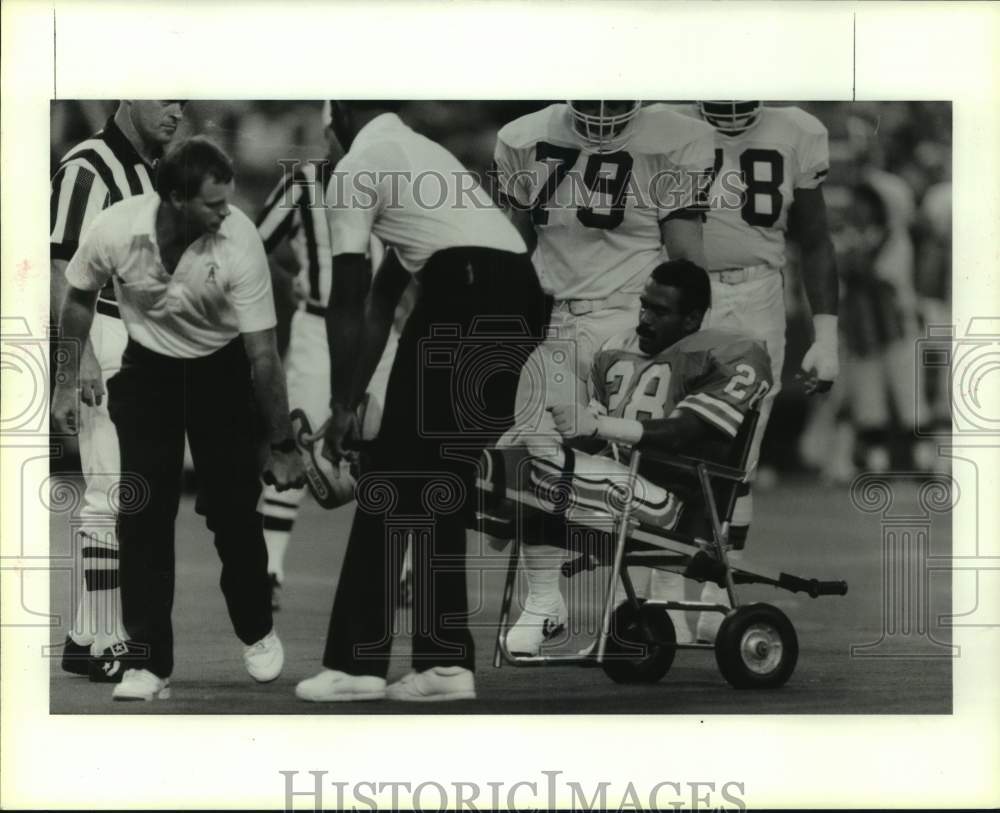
(735, 276)
(108, 308)
(579, 307)
(315, 310)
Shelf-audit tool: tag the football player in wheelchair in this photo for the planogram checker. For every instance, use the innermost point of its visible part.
(654, 459)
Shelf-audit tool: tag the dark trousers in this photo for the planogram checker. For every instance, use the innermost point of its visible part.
(154, 400)
(478, 316)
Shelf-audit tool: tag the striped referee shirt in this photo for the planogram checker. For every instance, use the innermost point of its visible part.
(294, 210)
(92, 176)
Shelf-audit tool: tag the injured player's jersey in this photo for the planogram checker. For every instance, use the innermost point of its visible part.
(716, 375)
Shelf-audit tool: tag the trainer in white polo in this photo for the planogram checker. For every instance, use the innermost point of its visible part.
(265, 658)
(332, 686)
(141, 684)
(434, 685)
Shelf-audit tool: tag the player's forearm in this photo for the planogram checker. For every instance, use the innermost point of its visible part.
(819, 276)
(269, 388)
(75, 318)
(57, 295)
(666, 435)
(57, 288)
(521, 218)
(672, 435)
(345, 330)
(374, 337)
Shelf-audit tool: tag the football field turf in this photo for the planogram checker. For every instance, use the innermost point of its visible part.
(802, 528)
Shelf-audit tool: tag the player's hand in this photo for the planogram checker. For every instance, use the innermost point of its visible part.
(66, 409)
(299, 291)
(574, 420)
(339, 433)
(821, 364)
(91, 380)
(284, 470)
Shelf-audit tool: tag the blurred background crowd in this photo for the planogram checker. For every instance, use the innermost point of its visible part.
(888, 195)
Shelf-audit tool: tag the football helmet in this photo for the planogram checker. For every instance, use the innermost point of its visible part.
(604, 125)
(730, 118)
(331, 485)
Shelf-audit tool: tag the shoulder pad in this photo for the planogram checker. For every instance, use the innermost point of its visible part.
(531, 128)
(663, 130)
(805, 122)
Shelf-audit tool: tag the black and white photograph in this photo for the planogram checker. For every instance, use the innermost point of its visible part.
(737, 284)
(356, 419)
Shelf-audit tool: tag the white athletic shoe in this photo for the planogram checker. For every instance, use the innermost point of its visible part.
(331, 686)
(141, 684)
(541, 621)
(436, 684)
(265, 658)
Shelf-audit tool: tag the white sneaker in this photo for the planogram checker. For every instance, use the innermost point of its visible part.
(141, 684)
(433, 685)
(331, 686)
(265, 658)
(541, 621)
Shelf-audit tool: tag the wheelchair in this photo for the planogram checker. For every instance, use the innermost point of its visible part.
(756, 646)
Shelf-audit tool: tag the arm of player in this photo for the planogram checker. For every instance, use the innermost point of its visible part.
(668, 435)
(682, 239)
(345, 335)
(521, 218)
(75, 319)
(284, 467)
(380, 309)
(90, 380)
(509, 192)
(808, 226)
(77, 197)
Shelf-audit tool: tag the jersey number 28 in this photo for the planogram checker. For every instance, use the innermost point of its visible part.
(649, 396)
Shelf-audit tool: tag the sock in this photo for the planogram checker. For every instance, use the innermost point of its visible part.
(278, 517)
(99, 614)
(541, 569)
(665, 585)
(709, 622)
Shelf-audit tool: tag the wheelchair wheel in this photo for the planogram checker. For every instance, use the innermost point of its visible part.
(756, 647)
(629, 656)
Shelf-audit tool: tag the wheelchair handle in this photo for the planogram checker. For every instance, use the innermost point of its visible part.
(585, 561)
(813, 587)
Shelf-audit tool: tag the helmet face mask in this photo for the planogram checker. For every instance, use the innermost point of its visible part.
(604, 125)
(730, 118)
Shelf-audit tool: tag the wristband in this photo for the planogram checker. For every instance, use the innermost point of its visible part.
(286, 446)
(825, 327)
(619, 430)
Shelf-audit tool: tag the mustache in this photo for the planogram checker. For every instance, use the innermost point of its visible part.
(645, 332)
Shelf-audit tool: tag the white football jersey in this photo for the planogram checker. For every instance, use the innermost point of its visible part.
(597, 215)
(758, 172)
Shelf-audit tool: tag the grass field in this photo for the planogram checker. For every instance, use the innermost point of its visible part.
(803, 528)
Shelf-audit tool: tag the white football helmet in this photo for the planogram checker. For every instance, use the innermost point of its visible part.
(604, 125)
(331, 485)
(730, 118)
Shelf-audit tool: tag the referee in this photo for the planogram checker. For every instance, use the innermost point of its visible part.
(194, 293)
(100, 171)
(479, 300)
